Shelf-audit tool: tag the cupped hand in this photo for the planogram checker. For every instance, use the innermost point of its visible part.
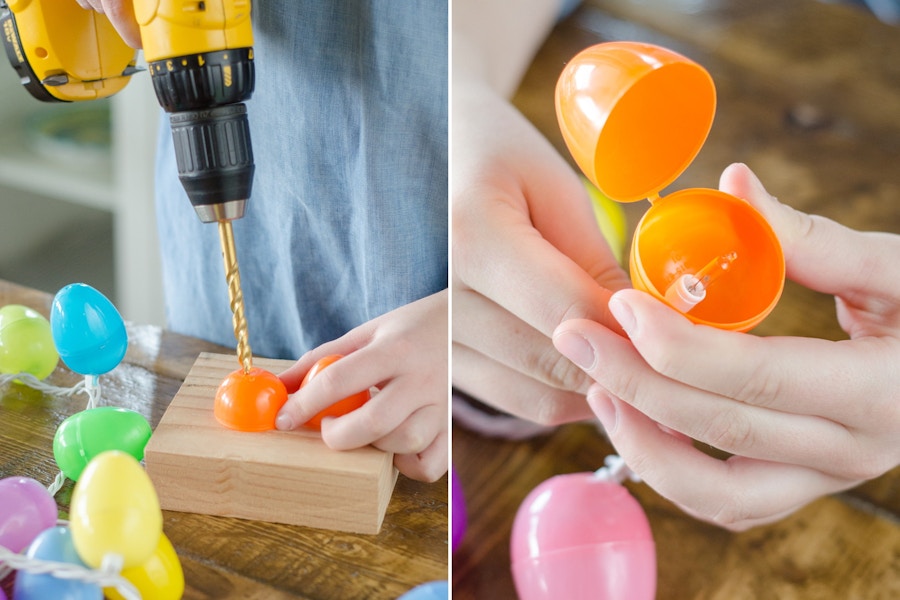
(527, 254)
(801, 417)
(403, 353)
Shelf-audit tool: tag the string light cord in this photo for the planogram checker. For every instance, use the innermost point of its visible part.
(108, 575)
(35, 383)
(616, 470)
(90, 385)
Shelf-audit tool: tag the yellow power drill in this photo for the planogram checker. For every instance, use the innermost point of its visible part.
(200, 58)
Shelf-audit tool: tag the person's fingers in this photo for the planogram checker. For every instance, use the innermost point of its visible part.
(354, 373)
(510, 391)
(735, 493)
(387, 411)
(820, 253)
(537, 180)
(293, 376)
(473, 416)
(746, 524)
(121, 14)
(408, 344)
(504, 258)
(412, 436)
(710, 418)
(389, 328)
(526, 237)
(476, 324)
(350, 342)
(428, 465)
(803, 376)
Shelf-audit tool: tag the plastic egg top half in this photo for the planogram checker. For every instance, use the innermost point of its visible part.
(634, 116)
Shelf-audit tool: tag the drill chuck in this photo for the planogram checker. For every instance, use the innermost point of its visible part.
(215, 159)
(203, 94)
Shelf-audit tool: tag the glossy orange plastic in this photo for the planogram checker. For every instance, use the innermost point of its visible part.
(249, 401)
(634, 116)
(339, 408)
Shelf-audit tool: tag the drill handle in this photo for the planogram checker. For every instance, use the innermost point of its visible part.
(64, 53)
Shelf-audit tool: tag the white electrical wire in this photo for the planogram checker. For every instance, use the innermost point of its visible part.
(616, 470)
(108, 575)
(90, 386)
(35, 383)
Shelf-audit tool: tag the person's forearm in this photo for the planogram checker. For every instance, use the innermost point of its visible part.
(494, 41)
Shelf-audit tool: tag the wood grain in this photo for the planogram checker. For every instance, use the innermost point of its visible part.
(199, 466)
(809, 97)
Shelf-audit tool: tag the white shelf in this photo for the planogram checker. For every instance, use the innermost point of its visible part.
(121, 184)
(23, 168)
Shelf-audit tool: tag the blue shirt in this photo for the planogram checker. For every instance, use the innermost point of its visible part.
(348, 215)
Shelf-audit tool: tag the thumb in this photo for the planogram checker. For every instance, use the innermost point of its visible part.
(819, 253)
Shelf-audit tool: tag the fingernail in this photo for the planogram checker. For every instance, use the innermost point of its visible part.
(623, 314)
(605, 408)
(284, 423)
(576, 348)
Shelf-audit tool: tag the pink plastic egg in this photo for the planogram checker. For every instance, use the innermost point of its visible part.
(26, 509)
(577, 537)
(458, 530)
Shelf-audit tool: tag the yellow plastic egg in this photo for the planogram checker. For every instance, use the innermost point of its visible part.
(115, 510)
(160, 578)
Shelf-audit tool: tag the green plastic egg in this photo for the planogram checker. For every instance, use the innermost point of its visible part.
(86, 434)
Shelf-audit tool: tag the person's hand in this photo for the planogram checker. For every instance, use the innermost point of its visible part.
(120, 14)
(802, 417)
(527, 255)
(403, 353)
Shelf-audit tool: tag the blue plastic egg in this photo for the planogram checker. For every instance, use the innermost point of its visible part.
(87, 329)
(53, 544)
(433, 590)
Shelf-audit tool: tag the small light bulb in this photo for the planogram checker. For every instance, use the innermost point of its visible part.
(712, 271)
(689, 290)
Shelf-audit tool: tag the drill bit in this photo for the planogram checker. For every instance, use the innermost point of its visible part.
(235, 295)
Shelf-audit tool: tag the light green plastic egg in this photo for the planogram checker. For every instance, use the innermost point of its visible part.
(26, 343)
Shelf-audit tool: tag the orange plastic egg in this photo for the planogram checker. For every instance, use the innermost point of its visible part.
(634, 116)
(249, 401)
(339, 408)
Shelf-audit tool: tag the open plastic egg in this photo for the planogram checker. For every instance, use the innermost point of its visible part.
(634, 116)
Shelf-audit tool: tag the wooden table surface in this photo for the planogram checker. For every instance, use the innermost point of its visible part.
(809, 97)
(225, 557)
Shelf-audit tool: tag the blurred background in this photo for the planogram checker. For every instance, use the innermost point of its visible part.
(76, 195)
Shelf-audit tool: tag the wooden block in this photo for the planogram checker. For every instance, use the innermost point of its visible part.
(199, 466)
